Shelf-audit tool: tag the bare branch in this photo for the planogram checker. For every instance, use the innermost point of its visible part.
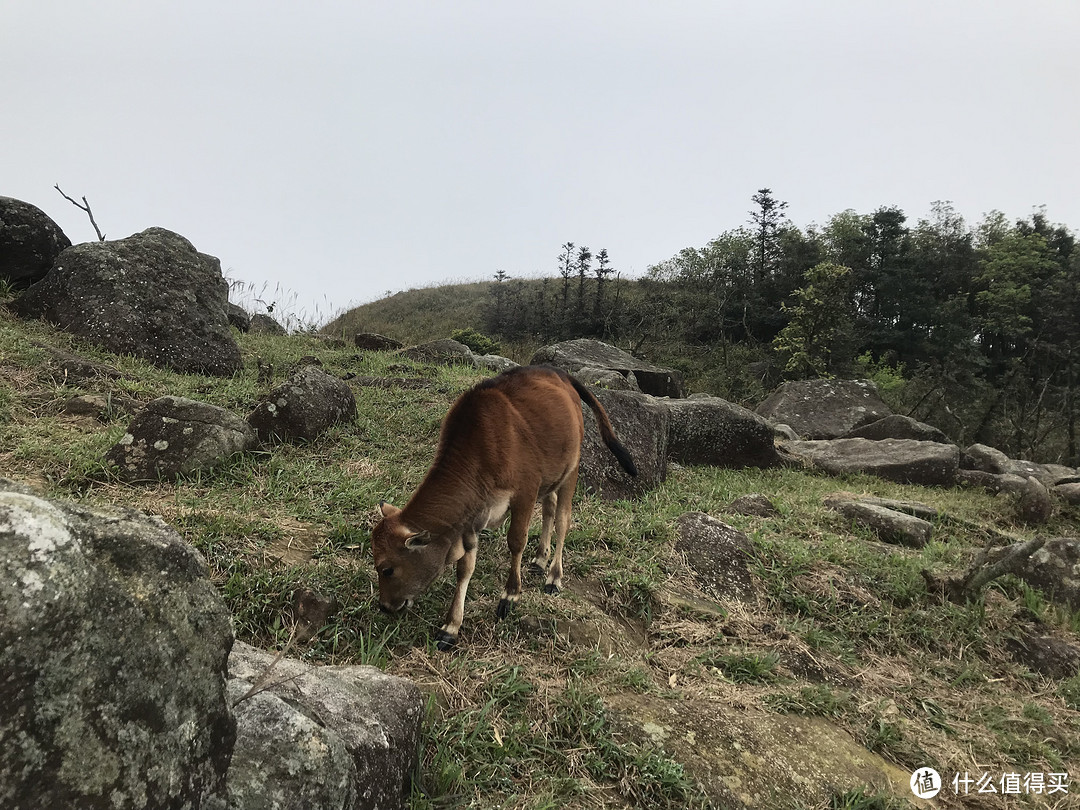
(988, 566)
(84, 207)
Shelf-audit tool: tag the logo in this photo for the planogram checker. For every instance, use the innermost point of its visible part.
(925, 783)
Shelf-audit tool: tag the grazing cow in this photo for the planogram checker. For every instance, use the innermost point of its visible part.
(507, 442)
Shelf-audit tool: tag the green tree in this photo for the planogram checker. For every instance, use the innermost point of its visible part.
(820, 318)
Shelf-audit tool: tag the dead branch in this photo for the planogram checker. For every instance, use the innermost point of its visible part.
(988, 566)
(263, 682)
(85, 207)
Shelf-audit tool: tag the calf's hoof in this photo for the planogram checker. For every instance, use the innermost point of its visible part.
(444, 641)
(503, 610)
(551, 587)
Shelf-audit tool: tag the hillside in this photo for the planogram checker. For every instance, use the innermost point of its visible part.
(634, 687)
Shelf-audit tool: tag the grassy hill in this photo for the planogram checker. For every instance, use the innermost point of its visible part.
(546, 708)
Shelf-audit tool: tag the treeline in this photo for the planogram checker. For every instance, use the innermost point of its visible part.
(975, 329)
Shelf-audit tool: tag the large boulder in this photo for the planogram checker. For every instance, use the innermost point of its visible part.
(905, 461)
(309, 403)
(175, 436)
(710, 430)
(1055, 570)
(445, 352)
(641, 424)
(824, 409)
(29, 242)
(573, 355)
(152, 295)
(113, 650)
(341, 737)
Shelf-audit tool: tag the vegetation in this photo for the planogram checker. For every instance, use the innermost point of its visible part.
(534, 711)
(978, 327)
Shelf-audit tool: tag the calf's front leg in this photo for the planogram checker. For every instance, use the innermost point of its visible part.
(448, 635)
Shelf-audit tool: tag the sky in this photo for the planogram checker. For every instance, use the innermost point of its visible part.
(331, 152)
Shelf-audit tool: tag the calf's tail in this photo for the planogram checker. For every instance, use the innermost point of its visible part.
(607, 433)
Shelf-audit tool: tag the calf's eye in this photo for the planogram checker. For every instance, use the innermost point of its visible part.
(387, 572)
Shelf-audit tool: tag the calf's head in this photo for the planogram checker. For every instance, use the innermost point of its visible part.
(406, 560)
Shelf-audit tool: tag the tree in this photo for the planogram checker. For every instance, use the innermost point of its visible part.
(603, 270)
(584, 262)
(566, 271)
(820, 316)
(767, 219)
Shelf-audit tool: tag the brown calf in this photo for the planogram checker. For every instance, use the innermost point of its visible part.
(507, 442)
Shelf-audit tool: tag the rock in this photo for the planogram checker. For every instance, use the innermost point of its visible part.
(913, 508)
(985, 459)
(991, 482)
(446, 352)
(890, 526)
(1047, 474)
(113, 648)
(310, 402)
(824, 409)
(493, 362)
(151, 295)
(715, 431)
(785, 432)
(1070, 493)
(1046, 655)
(717, 554)
(1055, 570)
(585, 353)
(263, 324)
(369, 341)
(905, 461)
(175, 436)
(326, 736)
(896, 426)
(755, 505)
(93, 405)
(65, 366)
(753, 760)
(238, 316)
(29, 242)
(606, 378)
(641, 423)
(1035, 507)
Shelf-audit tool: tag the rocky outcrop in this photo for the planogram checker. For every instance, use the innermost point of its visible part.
(902, 460)
(151, 295)
(309, 403)
(174, 436)
(641, 423)
(710, 430)
(824, 409)
(321, 737)
(29, 242)
(606, 378)
(113, 648)
(573, 355)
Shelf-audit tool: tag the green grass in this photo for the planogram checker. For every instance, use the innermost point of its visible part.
(520, 715)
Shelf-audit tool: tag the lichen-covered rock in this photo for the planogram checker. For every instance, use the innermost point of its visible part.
(174, 436)
(263, 324)
(446, 352)
(321, 737)
(641, 424)
(494, 362)
(606, 378)
(905, 461)
(889, 525)
(372, 342)
(824, 409)
(113, 649)
(29, 242)
(718, 555)
(309, 403)
(238, 316)
(1055, 570)
(152, 295)
(717, 432)
(573, 355)
(896, 426)
(1035, 506)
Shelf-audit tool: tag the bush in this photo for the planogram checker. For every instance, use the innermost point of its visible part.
(477, 341)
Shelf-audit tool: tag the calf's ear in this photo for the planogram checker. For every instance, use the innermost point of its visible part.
(418, 540)
(387, 509)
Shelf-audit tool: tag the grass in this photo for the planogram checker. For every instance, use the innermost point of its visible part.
(520, 715)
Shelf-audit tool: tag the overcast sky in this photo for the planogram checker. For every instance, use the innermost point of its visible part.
(333, 151)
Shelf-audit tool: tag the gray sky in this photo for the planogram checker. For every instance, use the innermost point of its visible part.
(333, 151)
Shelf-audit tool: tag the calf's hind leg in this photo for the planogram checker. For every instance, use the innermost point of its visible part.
(516, 538)
(564, 503)
(543, 548)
